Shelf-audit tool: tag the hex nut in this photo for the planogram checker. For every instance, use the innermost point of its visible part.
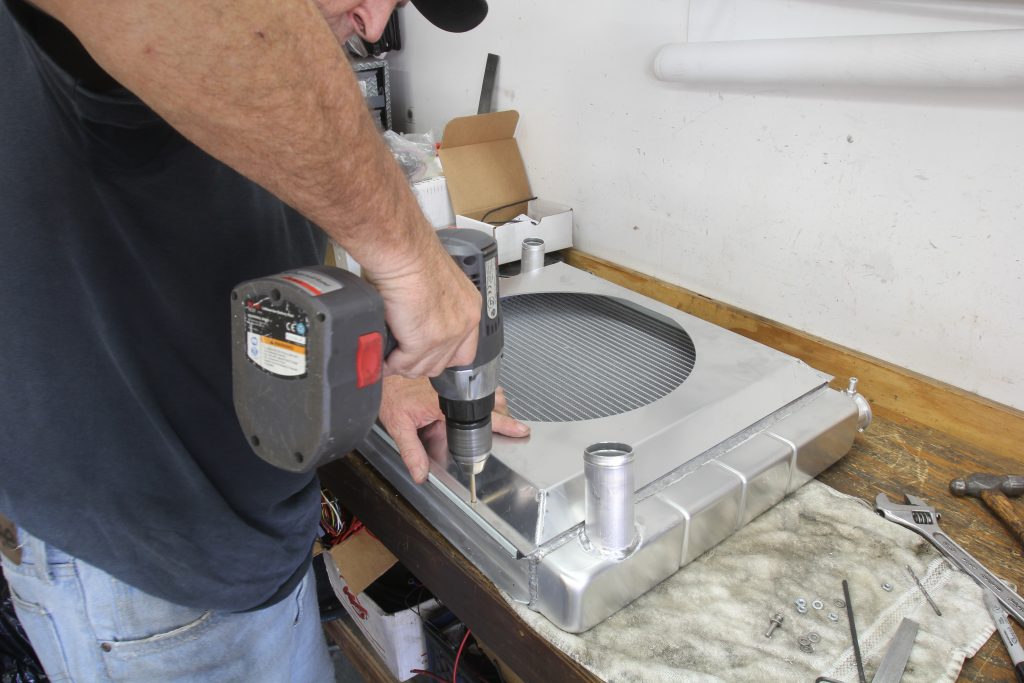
(801, 609)
(887, 587)
(832, 616)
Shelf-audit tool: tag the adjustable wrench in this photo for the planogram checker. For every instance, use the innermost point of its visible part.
(922, 519)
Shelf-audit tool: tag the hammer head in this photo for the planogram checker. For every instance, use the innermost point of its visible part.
(974, 484)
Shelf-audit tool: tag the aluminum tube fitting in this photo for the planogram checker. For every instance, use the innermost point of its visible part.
(533, 255)
(609, 527)
(863, 407)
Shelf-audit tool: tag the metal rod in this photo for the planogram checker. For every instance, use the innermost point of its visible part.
(853, 633)
(926, 595)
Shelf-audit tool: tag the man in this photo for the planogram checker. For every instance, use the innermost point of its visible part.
(152, 155)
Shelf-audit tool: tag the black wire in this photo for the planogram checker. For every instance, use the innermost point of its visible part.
(414, 606)
(499, 208)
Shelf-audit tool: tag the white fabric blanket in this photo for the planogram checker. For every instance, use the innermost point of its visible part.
(708, 621)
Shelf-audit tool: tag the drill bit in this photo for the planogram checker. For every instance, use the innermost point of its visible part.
(918, 582)
(472, 488)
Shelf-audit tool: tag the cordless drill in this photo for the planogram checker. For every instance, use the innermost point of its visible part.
(308, 347)
(466, 393)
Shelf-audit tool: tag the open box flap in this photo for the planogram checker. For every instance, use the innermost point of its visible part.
(483, 166)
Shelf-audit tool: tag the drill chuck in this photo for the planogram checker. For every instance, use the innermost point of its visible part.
(470, 445)
(468, 426)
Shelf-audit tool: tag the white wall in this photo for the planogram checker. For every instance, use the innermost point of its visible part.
(888, 222)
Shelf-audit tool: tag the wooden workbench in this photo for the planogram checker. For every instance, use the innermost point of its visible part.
(897, 454)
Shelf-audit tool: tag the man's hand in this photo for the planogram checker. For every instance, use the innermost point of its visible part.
(433, 310)
(409, 408)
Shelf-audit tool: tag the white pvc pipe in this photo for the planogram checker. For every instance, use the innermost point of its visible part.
(965, 59)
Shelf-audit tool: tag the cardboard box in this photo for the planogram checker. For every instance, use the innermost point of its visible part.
(397, 637)
(488, 186)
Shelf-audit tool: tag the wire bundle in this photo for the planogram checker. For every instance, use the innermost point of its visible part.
(455, 670)
(336, 525)
(331, 522)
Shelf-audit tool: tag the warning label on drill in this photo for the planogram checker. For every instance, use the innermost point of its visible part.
(276, 334)
(491, 287)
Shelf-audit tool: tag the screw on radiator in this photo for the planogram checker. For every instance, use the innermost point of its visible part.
(776, 622)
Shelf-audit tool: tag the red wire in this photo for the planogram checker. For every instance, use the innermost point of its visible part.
(455, 670)
(353, 528)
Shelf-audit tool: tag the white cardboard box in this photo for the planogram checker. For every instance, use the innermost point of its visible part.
(432, 195)
(398, 638)
(488, 186)
(550, 222)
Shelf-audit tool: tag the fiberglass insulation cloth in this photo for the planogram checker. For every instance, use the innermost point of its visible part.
(707, 622)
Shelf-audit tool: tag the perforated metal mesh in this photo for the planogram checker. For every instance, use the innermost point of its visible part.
(575, 357)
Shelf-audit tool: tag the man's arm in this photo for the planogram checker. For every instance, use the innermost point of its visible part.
(263, 86)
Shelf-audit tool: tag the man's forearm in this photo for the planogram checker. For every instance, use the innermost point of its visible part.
(263, 86)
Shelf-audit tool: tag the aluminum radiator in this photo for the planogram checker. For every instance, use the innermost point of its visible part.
(690, 431)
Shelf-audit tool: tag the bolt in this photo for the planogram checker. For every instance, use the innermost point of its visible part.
(776, 622)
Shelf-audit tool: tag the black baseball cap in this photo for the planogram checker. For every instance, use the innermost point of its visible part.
(456, 16)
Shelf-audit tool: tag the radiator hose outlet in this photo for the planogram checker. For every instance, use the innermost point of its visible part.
(863, 407)
(609, 527)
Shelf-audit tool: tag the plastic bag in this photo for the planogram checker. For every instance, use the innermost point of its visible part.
(18, 662)
(415, 154)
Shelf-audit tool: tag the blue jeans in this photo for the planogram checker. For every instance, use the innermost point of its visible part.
(88, 627)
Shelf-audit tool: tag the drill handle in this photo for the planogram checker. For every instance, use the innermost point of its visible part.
(476, 254)
(390, 343)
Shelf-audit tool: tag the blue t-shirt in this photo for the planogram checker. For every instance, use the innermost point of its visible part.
(120, 242)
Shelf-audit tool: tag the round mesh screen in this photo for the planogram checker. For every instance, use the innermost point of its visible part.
(575, 357)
